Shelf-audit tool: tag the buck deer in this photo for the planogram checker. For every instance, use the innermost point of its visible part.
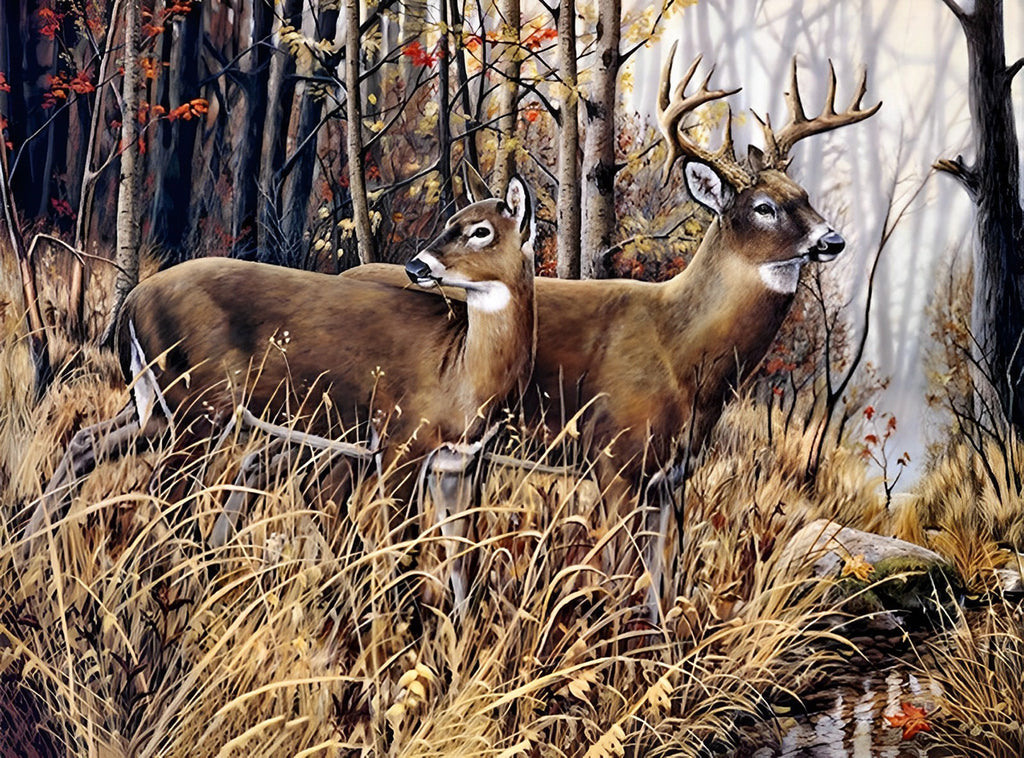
(206, 338)
(653, 363)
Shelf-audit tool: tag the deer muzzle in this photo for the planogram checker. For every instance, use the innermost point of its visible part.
(424, 270)
(828, 247)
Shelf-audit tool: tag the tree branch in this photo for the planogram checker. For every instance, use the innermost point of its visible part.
(1013, 69)
(954, 6)
(966, 175)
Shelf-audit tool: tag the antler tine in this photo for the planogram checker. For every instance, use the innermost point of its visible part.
(779, 144)
(796, 107)
(830, 95)
(674, 107)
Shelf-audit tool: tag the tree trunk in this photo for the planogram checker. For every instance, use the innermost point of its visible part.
(299, 182)
(472, 122)
(280, 90)
(175, 143)
(247, 168)
(127, 257)
(508, 94)
(568, 223)
(599, 147)
(91, 171)
(354, 142)
(444, 115)
(993, 182)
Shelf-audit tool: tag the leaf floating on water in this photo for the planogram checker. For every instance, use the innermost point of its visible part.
(912, 720)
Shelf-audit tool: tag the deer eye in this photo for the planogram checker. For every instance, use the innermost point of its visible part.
(765, 209)
(480, 234)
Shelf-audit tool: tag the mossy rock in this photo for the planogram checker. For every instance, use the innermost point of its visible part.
(873, 573)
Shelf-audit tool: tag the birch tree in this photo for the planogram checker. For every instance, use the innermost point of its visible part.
(127, 257)
(569, 194)
(599, 146)
(508, 92)
(354, 135)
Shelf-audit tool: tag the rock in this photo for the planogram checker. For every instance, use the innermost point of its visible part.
(1010, 581)
(873, 573)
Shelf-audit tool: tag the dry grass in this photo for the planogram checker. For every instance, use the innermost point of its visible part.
(325, 627)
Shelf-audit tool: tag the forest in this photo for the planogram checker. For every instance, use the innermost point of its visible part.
(824, 558)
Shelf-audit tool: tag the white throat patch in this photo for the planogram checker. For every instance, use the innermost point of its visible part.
(489, 297)
(781, 276)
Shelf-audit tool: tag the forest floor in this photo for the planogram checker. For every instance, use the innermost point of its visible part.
(326, 627)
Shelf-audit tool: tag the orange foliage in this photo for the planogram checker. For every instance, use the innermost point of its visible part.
(49, 22)
(911, 720)
(186, 111)
(537, 38)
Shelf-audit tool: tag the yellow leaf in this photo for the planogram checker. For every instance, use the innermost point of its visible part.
(858, 567)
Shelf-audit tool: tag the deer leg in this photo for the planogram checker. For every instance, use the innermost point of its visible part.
(451, 492)
(249, 476)
(252, 475)
(105, 439)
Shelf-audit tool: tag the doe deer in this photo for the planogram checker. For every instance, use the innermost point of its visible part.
(652, 364)
(217, 339)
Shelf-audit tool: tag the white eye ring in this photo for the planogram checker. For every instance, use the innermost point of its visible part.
(764, 208)
(480, 234)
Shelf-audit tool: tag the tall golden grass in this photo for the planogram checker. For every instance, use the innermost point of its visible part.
(325, 627)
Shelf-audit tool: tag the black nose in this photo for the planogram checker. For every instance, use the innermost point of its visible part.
(828, 247)
(417, 270)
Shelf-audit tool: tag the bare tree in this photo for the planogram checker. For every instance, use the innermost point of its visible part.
(354, 142)
(599, 146)
(280, 88)
(569, 193)
(127, 257)
(993, 183)
(508, 92)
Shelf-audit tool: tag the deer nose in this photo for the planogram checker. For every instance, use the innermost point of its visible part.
(418, 271)
(828, 247)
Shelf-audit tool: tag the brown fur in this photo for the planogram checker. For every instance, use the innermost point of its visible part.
(224, 332)
(641, 351)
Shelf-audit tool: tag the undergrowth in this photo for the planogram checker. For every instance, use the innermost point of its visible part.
(326, 626)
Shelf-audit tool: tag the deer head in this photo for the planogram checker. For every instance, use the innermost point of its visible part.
(453, 259)
(762, 213)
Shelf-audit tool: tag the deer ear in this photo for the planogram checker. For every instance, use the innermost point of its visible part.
(755, 158)
(707, 187)
(520, 206)
(476, 187)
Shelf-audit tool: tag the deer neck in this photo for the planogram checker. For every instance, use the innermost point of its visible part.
(500, 338)
(724, 313)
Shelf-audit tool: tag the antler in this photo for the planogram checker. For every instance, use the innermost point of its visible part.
(777, 145)
(672, 108)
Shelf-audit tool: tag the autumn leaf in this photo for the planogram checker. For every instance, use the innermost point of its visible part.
(869, 412)
(911, 720)
(419, 56)
(858, 567)
(537, 38)
(49, 22)
(81, 83)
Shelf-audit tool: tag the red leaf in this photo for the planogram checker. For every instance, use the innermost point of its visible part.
(869, 412)
(419, 56)
(537, 39)
(912, 721)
